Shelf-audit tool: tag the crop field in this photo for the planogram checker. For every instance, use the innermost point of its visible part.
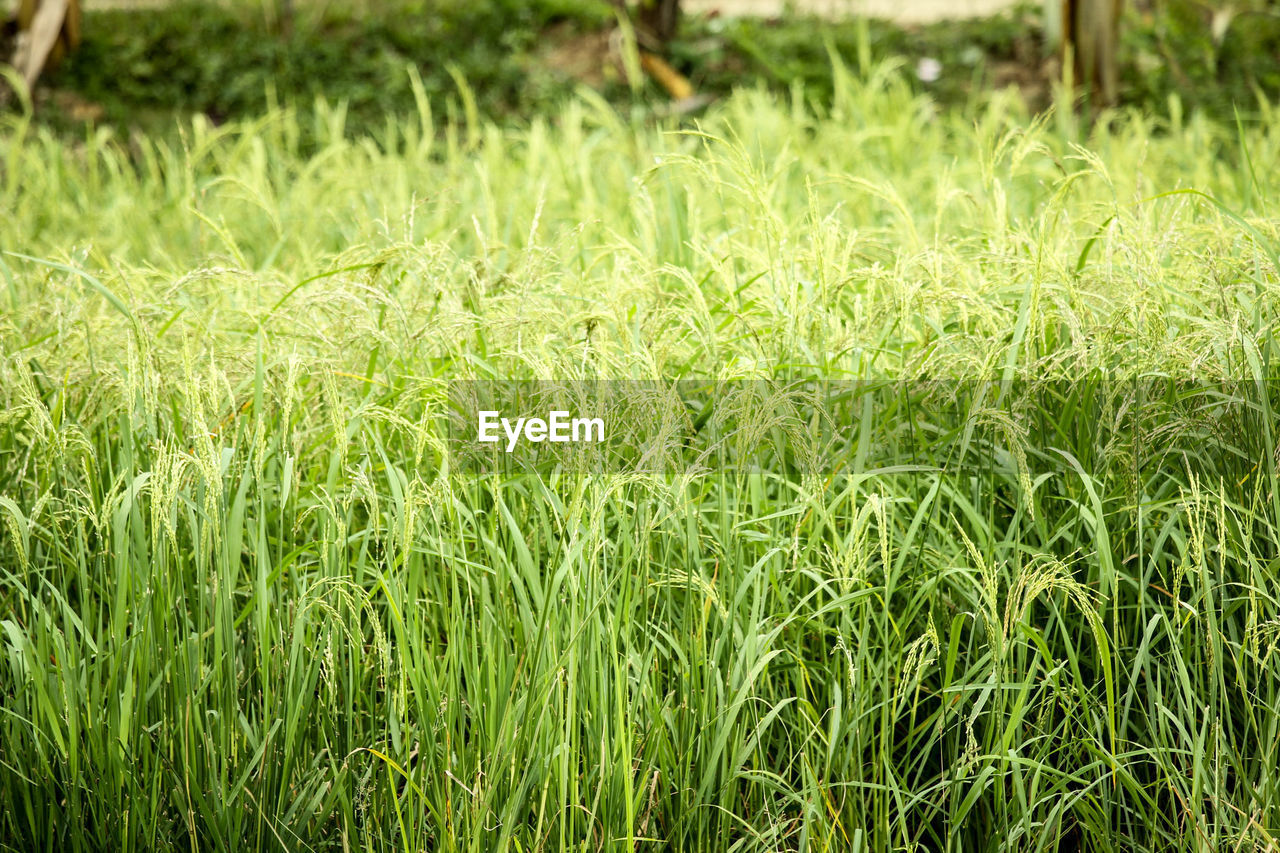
(1002, 575)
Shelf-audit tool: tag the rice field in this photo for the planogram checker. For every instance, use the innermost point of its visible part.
(1023, 597)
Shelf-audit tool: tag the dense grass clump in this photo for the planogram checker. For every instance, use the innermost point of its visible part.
(141, 68)
(246, 601)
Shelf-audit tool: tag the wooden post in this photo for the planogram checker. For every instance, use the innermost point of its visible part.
(655, 23)
(1089, 33)
(659, 19)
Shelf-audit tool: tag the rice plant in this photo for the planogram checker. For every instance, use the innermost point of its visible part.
(1021, 595)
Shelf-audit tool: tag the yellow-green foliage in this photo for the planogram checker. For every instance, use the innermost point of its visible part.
(244, 604)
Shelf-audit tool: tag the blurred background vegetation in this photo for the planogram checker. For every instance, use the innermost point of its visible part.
(140, 66)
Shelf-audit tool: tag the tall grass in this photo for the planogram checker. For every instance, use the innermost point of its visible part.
(246, 604)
